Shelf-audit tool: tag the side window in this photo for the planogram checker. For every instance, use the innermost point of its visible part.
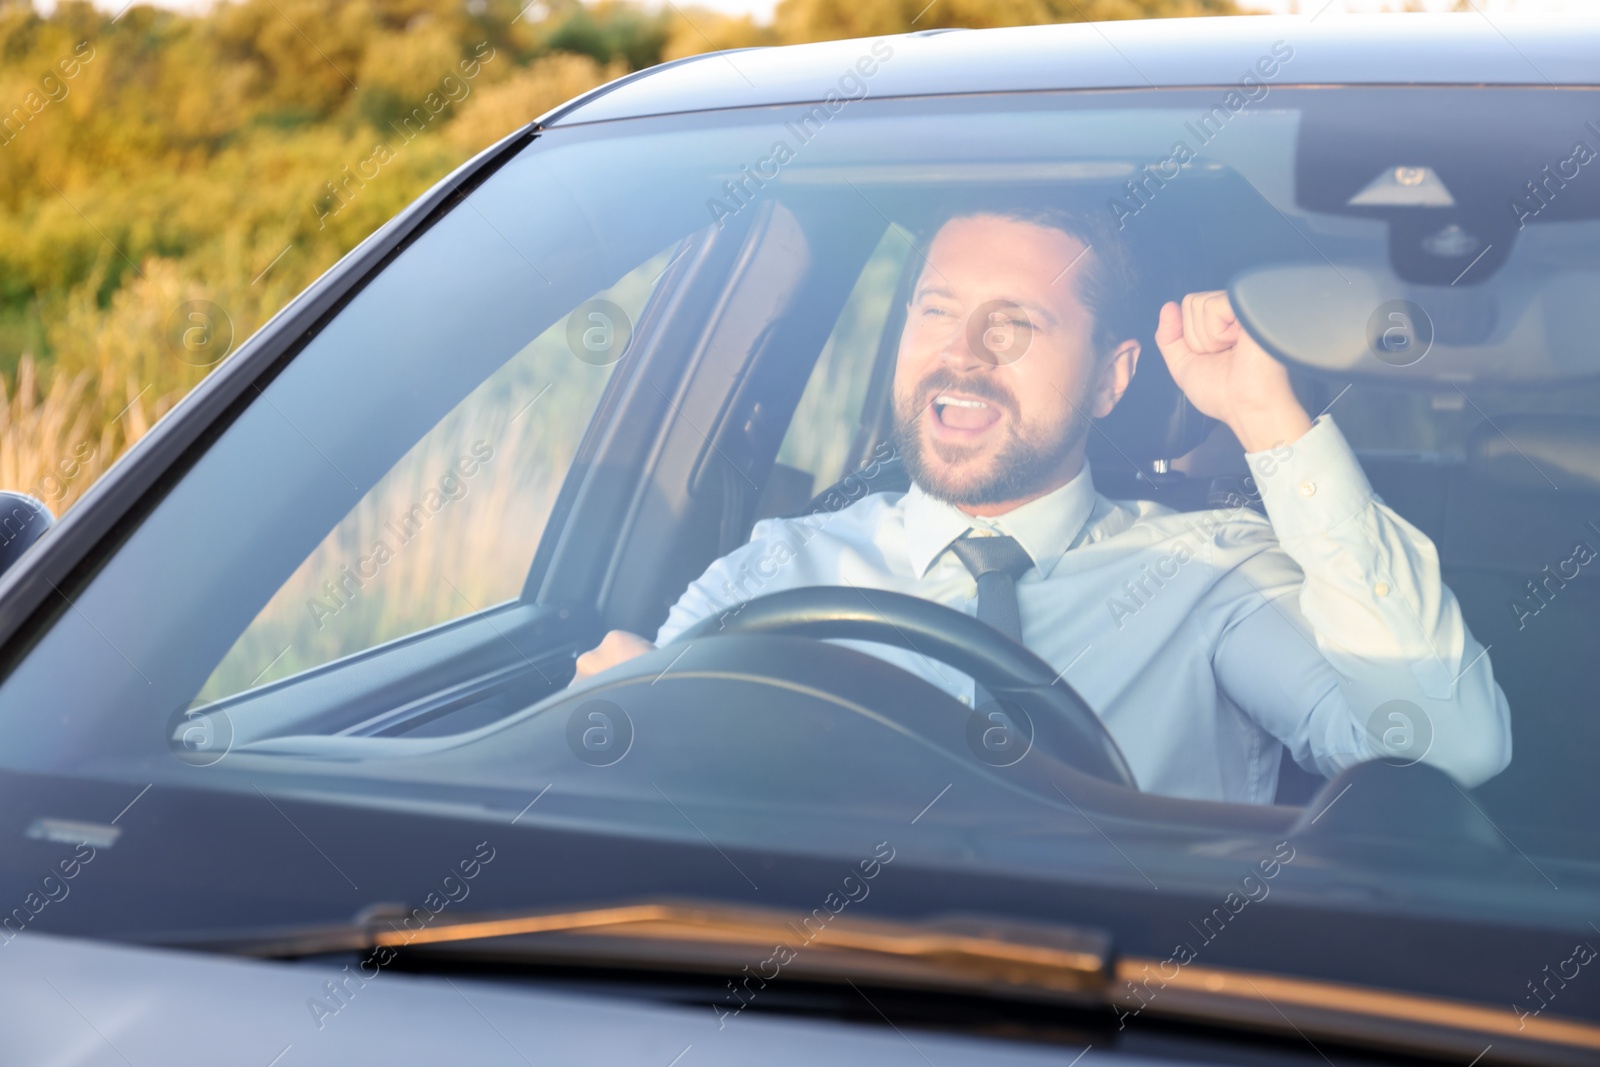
(819, 438)
(452, 527)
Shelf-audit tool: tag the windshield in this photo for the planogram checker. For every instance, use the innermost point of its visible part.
(1265, 418)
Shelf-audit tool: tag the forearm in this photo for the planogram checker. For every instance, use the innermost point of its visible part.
(1373, 602)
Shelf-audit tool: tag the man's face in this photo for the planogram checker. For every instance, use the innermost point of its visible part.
(997, 379)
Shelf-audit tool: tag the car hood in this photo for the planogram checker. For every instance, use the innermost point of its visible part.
(64, 1000)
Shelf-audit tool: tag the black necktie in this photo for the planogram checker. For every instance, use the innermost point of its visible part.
(995, 563)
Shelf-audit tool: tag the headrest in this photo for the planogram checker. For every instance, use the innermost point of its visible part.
(1537, 451)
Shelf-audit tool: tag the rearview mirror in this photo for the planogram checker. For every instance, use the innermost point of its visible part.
(23, 520)
(1520, 328)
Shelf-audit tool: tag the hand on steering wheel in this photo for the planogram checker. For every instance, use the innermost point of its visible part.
(1064, 726)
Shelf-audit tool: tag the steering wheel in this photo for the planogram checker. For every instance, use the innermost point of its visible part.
(1064, 728)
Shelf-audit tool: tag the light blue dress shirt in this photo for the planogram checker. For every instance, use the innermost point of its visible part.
(1205, 640)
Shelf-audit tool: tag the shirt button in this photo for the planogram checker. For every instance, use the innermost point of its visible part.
(1382, 589)
(1308, 488)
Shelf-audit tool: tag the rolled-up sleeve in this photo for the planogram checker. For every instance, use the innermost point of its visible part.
(1400, 675)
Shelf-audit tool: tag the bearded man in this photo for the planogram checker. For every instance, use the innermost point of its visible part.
(1206, 642)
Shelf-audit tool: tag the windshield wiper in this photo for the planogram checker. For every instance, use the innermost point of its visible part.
(964, 956)
(1014, 960)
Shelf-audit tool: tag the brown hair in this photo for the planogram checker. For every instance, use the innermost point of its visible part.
(1106, 280)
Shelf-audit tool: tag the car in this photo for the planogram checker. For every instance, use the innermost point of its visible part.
(293, 764)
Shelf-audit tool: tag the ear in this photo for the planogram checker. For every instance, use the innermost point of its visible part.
(1115, 374)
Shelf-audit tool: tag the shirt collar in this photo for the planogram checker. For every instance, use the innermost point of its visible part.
(1045, 527)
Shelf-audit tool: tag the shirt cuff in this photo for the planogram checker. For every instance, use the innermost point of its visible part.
(1310, 486)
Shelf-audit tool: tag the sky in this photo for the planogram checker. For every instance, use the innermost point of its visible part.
(762, 9)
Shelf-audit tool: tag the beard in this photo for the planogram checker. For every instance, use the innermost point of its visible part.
(1027, 463)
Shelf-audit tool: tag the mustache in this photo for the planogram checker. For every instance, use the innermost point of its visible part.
(980, 386)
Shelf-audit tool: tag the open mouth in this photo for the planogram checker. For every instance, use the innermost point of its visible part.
(963, 414)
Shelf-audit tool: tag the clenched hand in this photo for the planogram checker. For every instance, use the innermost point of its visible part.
(1226, 374)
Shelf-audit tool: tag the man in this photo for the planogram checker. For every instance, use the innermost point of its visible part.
(1204, 641)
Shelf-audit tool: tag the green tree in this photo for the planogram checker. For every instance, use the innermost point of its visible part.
(166, 157)
(822, 20)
